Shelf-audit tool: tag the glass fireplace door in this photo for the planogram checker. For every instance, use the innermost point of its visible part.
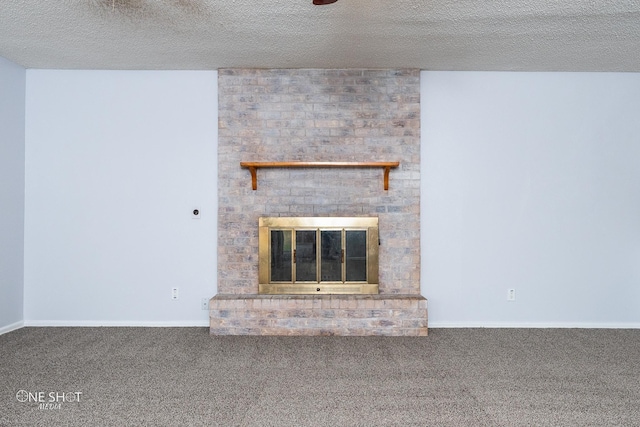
(305, 256)
(281, 256)
(331, 255)
(356, 255)
(324, 258)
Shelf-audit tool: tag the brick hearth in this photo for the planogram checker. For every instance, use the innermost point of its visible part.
(391, 315)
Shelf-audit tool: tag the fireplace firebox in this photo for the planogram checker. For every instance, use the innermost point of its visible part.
(318, 255)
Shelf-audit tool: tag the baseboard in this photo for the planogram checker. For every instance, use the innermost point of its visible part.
(11, 327)
(116, 323)
(205, 323)
(534, 325)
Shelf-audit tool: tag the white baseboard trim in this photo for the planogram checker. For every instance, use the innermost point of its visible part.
(535, 325)
(205, 323)
(117, 323)
(11, 327)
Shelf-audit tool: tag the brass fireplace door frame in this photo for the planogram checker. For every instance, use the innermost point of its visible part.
(267, 224)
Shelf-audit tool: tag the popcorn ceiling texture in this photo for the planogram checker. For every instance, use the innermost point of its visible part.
(523, 35)
(319, 115)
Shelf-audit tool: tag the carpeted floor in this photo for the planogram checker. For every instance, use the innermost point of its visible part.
(453, 377)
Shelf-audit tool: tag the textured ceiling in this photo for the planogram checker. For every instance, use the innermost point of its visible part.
(532, 35)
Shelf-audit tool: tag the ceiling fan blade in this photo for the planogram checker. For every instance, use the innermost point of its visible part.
(321, 2)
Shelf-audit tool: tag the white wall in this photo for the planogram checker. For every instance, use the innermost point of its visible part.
(115, 163)
(12, 101)
(531, 181)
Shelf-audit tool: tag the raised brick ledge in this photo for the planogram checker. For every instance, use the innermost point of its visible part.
(356, 315)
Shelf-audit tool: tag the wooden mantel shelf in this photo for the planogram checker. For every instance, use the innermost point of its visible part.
(254, 166)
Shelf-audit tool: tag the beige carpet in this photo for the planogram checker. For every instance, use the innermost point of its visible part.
(453, 377)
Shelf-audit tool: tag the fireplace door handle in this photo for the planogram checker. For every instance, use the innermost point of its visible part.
(342, 256)
(294, 256)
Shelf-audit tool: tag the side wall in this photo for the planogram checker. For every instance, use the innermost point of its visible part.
(531, 181)
(12, 173)
(319, 115)
(115, 163)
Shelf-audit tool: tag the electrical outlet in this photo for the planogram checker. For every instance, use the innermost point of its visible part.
(204, 303)
(174, 294)
(511, 294)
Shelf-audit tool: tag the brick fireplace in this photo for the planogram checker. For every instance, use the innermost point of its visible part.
(328, 116)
